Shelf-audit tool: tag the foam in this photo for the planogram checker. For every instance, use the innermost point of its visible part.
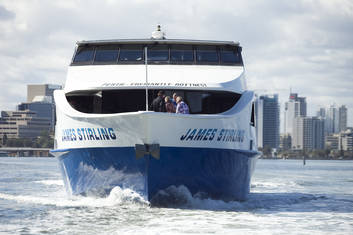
(117, 196)
(171, 197)
(180, 197)
(51, 182)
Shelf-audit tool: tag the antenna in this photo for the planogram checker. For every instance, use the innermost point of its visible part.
(158, 34)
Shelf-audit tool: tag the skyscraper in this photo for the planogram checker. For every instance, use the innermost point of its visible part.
(321, 113)
(331, 122)
(267, 121)
(342, 117)
(336, 119)
(295, 107)
(308, 133)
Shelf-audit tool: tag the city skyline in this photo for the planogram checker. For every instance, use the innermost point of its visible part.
(327, 130)
(304, 112)
(300, 46)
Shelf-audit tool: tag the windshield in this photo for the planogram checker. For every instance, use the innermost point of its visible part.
(106, 54)
(158, 54)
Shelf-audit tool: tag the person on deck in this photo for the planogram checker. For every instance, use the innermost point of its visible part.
(158, 104)
(182, 107)
(169, 106)
(175, 95)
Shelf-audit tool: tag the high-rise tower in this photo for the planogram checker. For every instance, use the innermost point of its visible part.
(267, 121)
(295, 107)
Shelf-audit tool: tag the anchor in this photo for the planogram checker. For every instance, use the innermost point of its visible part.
(145, 149)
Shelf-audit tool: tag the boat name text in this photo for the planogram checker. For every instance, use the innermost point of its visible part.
(81, 134)
(210, 134)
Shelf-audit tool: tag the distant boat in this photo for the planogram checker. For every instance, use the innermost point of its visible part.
(106, 135)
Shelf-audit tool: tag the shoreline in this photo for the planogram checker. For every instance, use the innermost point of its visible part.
(262, 157)
(306, 158)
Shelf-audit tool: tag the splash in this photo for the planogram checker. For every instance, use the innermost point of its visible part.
(51, 182)
(181, 197)
(117, 197)
(171, 197)
(97, 181)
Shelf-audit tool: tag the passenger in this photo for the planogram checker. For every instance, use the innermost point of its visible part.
(175, 95)
(169, 106)
(158, 104)
(182, 107)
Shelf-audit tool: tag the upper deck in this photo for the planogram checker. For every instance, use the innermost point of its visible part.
(156, 63)
(164, 51)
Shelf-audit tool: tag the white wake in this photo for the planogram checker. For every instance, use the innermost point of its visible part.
(117, 196)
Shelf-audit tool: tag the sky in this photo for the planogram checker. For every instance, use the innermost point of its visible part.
(305, 46)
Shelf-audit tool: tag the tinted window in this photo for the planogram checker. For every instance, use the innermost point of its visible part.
(106, 54)
(158, 53)
(210, 102)
(252, 119)
(181, 53)
(84, 54)
(120, 101)
(131, 53)
(207, 54)
(230, 56)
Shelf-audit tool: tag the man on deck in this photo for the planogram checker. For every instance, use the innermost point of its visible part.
(158, 104)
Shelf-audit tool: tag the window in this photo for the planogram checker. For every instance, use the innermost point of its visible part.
(230, 55)
(207, 54)
(252, 118)
(131, 53)
(84, 55)
(121, 101)
(181, 53)
(158, 53)
(106, 54)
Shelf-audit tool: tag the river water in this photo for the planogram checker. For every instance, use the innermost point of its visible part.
(286, 198)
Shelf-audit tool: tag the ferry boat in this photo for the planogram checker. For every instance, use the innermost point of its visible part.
(106, 134)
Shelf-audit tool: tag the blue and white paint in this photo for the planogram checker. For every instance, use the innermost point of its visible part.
(211, 154)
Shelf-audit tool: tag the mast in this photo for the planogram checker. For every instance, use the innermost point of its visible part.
(158, 34)
(146, 78)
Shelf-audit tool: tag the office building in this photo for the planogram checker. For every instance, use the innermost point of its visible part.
(321, 113)
(342, 118)
(331, 121)
(42, 110)
(308, 133)
(41, 101)
(335, 119)
(267, 121)
(22, 124)
(285, 142)
(331, 141)
(295, 107)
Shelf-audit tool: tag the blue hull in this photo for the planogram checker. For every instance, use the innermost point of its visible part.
(220, 173)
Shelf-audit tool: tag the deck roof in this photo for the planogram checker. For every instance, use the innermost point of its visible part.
(156, 41)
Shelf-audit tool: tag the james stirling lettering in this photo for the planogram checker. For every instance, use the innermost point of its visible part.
(210, 134)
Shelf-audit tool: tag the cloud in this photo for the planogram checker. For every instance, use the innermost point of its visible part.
(305, 45)
(5, 14)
